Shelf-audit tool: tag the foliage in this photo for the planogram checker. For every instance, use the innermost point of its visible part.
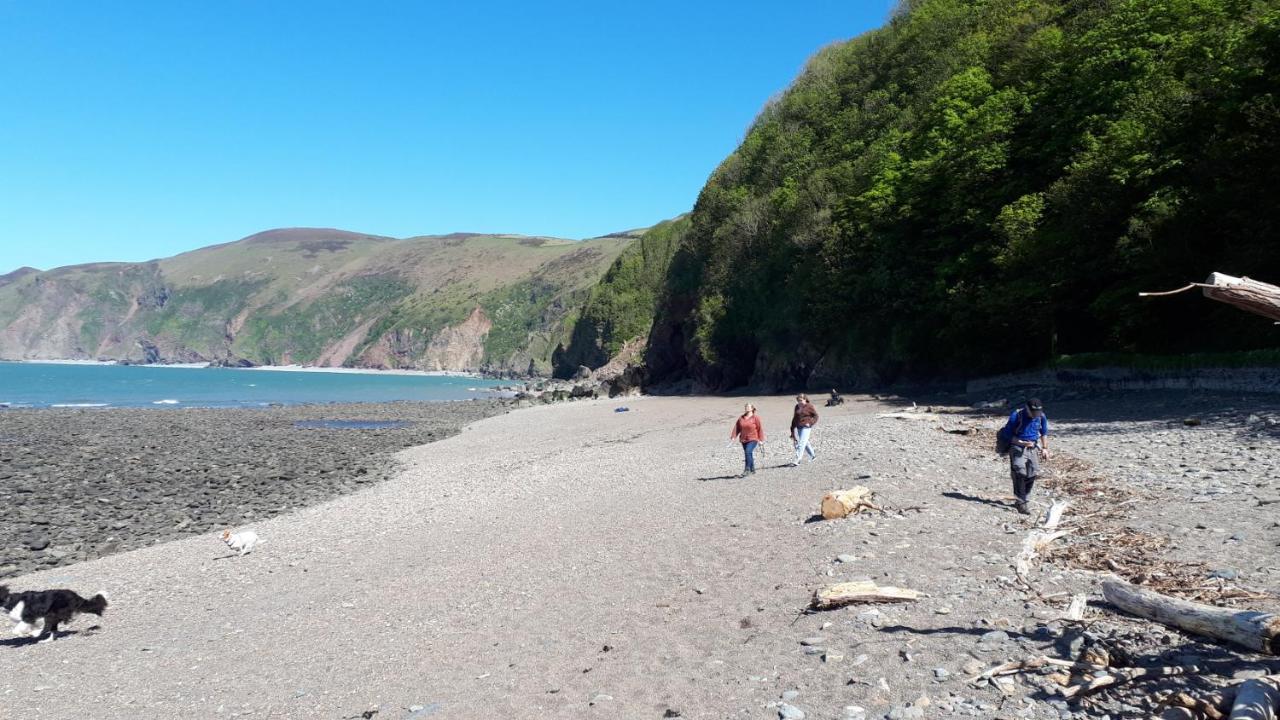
(983, 184)
(622, 305)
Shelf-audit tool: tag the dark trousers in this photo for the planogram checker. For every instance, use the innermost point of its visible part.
(1024, 466)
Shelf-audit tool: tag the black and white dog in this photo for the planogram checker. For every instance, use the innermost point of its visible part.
(40, 611)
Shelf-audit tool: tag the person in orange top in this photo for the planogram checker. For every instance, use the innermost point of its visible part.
(749, 431)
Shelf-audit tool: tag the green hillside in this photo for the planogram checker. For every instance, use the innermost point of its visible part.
(621, 307)
(315, 297)
(982, 185)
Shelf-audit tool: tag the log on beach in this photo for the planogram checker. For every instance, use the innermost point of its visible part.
(1249, 295)
(860, 591)
(1257, 699)
(843, 503)
(1257, 631)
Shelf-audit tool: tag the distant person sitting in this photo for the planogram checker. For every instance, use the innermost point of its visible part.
(835, 399)
(1028, 433)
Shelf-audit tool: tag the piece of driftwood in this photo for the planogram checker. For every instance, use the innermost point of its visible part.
(1019, 666)
(843, 503)
(910, 416)
(1035, 542)
(1075, 611)
(860, 591)
(1054, 515)
(1200, 707)
(1257, 699)
(1113, 678)
(1257, 631)
(1249, 295)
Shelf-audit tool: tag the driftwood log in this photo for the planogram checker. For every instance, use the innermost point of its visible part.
(1256, 631)
(843, 503)
(1256, 699)
(1250, 295)
(860, 591)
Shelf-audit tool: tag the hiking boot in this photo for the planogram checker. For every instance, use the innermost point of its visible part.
(1022, 507)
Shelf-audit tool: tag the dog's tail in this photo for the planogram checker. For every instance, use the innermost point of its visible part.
(96, 604)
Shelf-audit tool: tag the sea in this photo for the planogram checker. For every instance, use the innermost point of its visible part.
(26, 384)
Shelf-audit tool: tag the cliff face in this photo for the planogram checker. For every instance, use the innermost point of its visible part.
(313, 297)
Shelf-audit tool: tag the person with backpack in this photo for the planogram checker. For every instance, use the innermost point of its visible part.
(1026, 438)
(803, 418)
(750, 432)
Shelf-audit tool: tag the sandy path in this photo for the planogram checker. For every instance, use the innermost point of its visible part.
(553, 557)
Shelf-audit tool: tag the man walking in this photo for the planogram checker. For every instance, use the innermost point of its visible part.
(1028, 432)
(802, 422)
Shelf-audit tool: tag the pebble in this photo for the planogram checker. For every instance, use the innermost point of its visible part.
(787, 711)
(941, 673)
(995, 636)
(815, 640)
(847, 558)
(790, 695)
(905, 712)
(854, 712)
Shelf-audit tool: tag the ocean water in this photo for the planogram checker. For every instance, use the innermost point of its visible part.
(67, 385)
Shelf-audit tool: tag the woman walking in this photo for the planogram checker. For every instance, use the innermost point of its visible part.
(802, 422)
(749, 431)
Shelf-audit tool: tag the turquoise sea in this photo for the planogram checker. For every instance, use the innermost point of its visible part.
(66, 385)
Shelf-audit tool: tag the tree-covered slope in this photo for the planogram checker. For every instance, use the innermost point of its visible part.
(620, 308)
(315, 297)
(983, 184)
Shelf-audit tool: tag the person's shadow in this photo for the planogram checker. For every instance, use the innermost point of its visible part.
(719, 477)
(976, 499)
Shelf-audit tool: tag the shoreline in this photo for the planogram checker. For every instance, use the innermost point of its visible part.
(270, 368)
(87, 482)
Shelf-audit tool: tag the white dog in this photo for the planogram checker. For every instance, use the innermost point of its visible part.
(244, 541)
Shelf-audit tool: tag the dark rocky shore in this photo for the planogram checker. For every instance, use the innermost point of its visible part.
(78, 484)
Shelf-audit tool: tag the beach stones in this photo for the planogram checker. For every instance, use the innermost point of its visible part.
(89, 483)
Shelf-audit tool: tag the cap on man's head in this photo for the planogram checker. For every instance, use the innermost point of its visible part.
(1034, 404)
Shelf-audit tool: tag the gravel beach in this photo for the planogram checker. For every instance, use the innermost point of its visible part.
(83, 483)
(571, 561)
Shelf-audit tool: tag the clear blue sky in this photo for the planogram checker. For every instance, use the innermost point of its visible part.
(140, 129)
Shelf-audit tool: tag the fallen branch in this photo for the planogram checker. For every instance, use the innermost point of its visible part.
(1122, 677)
(1252, 296)
(1256, 631)
(1199, 706)
(860, 591)
(1036, 541)
(1020, 666)
(1054, 514)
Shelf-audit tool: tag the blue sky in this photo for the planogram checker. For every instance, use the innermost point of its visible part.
(136, 130)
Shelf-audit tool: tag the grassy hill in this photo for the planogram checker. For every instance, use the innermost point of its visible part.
(315, 297)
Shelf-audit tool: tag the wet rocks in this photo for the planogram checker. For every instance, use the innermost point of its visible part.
(83, 483)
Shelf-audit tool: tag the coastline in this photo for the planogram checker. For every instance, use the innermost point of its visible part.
(271, 368)
(86, 482)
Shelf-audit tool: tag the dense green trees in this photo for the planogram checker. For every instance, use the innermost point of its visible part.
(621, 307)
(983, 184)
